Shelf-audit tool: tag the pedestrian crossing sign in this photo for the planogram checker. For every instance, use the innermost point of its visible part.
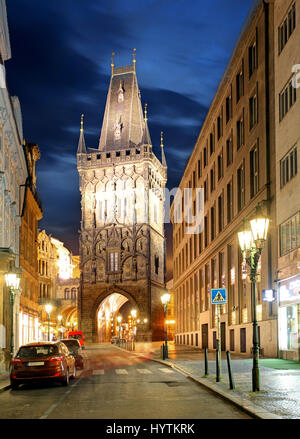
(219, 296)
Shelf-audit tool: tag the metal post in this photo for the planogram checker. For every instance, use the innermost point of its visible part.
(205, 362)
(48, 326)
(219, 336)
(217, 362)
(12, 301)
(231, 380)
(255, 369)
(166, 332)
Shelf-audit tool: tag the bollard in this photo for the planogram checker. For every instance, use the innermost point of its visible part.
(217, 362)
(205, 362)
(231, 380)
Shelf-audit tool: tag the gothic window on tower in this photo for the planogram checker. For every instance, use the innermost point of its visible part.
(121, 93)
(118, 129)
(114, 261)
(156, 263)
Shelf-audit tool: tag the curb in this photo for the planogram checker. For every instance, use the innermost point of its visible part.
(248, 407)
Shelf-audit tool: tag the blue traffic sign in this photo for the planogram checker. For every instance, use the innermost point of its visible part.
(219, 296)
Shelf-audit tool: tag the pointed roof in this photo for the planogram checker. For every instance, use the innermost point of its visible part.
(81, 144)
(146, 136)
(123, 123)
(163, 157)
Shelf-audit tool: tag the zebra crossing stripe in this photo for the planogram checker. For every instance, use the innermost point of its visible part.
(166, 370)
(144, 371)
(121, 372)
(98, 372)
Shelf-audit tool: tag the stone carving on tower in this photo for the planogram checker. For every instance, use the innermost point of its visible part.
(122, 241)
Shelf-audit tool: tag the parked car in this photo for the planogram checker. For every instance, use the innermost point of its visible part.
(78, 335)
(114, 340)
(42, 361)
(74, 347)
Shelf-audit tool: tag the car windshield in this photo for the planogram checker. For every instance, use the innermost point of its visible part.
(72, 345)
(37, 351)
(76, 336)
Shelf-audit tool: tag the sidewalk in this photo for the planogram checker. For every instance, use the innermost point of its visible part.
(279, 397)
(4, 382)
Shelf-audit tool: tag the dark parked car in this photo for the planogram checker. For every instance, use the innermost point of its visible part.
(75, 348)
(42, 361)
(114, 340)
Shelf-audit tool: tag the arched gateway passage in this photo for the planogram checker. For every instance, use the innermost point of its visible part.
(114, 318)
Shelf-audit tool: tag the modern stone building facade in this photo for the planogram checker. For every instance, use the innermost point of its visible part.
(122, 243)
(13, 174)
(234, 162)
(287, 115)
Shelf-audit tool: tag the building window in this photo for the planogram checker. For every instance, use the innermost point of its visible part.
(252, 53)
(67, 293)
(253, 114)
(228, 108)
(212, 179)
(287, 28)
(199, 169)
(290, 235)
(229, 201)
(205, 231)
(287, 98)
(239, 85)
(229, 150)
(220, 166)
(241, 187)
(205, 190)
(254, 183)
(240, 132)
(288, 167)
(114, 261)
(221, 212)
(205, 157)
(211, 143)
(219, 126)
(213, 223)
(156, 264)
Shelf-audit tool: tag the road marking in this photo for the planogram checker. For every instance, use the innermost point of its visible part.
(144, 371)
(166, 370)
(121, 371)
(98, 372)
(53, 406)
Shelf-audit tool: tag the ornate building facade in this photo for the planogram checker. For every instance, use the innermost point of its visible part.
(31, 214)
(13, 174)
(122, 242)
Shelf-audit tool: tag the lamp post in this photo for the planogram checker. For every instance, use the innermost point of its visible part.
(119, 319)
(133, 315)
(252, 243)
(165, 300)
(48, 309)
(59, 323)
(12, 282)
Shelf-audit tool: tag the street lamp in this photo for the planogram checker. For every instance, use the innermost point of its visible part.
(59, 323)
(48, 309)
(252, 243)
(165, 300)
(12, 282)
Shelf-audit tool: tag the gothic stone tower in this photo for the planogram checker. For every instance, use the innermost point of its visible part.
(122, 242)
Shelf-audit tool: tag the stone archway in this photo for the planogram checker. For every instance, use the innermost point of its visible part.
(105, 311)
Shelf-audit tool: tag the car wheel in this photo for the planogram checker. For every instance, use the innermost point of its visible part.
(14, 385)
(66, 379)
(74, 372)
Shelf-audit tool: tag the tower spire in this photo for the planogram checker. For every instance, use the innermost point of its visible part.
(163, 157)
(81, 144)
(112, 63)
(134, 61)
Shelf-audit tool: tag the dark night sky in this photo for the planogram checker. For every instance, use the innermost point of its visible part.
(60, 68)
